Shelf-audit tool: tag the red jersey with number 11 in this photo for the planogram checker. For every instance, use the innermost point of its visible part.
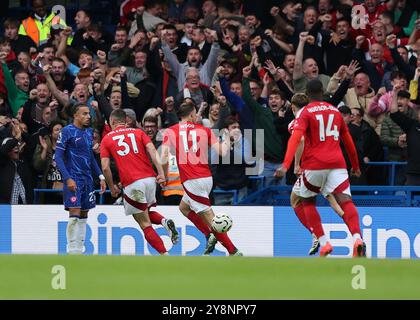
(190, 142)
(127, 146)
(322, 125)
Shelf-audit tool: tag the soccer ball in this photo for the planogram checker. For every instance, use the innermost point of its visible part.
(221, 223)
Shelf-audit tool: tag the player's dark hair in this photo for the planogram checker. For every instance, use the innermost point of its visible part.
(76, 108)
(185, 110)
(119, 115)
(314, 90)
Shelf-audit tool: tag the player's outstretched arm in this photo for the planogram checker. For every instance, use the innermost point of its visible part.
(292, 146)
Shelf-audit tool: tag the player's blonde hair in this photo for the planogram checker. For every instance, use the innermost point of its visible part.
(299, 100)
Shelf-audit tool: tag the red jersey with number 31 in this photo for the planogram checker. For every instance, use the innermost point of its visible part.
(190, 142)
(322, 125)
(127, 146)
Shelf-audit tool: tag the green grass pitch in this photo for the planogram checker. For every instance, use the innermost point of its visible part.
(197, 278)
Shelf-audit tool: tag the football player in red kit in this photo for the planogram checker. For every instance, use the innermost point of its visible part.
(130, 147)
(323, 164)
(190, 143)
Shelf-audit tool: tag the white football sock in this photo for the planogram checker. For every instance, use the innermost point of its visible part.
(322, 240)
(71, 232)
(356, 236)
(81, 234)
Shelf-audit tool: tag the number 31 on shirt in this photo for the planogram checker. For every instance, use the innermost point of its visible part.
(125, 145)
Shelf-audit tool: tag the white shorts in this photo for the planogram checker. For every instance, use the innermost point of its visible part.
(197, 193)
(330, 181)
(139, 196)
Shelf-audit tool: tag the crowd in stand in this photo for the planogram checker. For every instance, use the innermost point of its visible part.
(239, 62)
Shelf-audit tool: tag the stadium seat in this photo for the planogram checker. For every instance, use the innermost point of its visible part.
(232, 192)
(256, 183)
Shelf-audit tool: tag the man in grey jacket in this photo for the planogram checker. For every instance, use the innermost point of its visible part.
(194, 59)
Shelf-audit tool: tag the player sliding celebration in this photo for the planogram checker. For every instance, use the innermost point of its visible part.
(209, 149)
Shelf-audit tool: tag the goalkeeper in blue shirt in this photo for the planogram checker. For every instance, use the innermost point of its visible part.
(77, 164)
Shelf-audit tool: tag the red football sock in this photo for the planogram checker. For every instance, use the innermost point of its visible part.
(351, 217)
(300, 213)
(224, 239)
(313, 219)
(153, 238)
(199, 223)
(155, 217)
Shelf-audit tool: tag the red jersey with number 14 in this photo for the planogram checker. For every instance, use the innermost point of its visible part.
(127, 146)
(190, 142)
(322, 125)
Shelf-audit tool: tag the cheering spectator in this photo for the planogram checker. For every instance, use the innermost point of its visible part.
(411, 128)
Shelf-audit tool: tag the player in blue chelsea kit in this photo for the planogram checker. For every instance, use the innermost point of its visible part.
(76, 161)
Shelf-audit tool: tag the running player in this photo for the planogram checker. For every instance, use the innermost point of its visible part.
(324, 166)
(189, 141)
(130, 147)
(75, 160)
(298, 101)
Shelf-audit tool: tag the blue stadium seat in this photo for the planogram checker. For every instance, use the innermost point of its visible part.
(256, 183)
(416, 201)
(232, 192)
